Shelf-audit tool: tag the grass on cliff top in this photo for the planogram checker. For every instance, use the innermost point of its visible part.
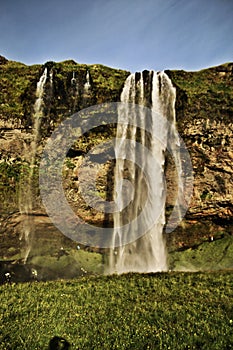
(153, 311)
(18, 83)
(214, 80)
(15, 77)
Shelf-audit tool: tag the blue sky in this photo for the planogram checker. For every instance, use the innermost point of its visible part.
(127, 34)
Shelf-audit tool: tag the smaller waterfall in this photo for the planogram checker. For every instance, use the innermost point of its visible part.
(74, 91)
(51, 78)
(26, 196)
(38, 112)
(73, 80)
(146, 250)
(87, 84)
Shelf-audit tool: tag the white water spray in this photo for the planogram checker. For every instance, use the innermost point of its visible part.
(147, 250)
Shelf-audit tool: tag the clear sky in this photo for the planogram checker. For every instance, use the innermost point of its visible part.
(127, 34)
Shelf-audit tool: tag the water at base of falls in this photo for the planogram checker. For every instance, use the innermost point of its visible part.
(146, 247)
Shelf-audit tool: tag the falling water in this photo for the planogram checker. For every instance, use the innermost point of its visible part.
(26, 185)
(51, 78)
(38, 112)
(75, 91)
(146, 250)
(87, 84)
(73, 80)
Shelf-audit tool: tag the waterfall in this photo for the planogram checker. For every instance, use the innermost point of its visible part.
(38, 111)
(87, 84)
(73, 80)
(75, 91)
(138, 181)
(26, 184)
(51, 78)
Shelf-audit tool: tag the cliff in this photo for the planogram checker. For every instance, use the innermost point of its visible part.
(204, 112)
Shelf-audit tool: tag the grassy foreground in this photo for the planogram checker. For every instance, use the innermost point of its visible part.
(153, 311)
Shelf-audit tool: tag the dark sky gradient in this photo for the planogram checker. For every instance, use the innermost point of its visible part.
(127, 34)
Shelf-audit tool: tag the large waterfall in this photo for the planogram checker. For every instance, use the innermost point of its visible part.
(26, 195)
(139, 187)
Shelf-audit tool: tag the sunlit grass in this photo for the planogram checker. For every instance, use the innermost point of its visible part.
(154, 311)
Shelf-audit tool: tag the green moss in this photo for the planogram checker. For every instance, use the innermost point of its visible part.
(212, 255)
(69, 164)
(206, 195)
(76, 263)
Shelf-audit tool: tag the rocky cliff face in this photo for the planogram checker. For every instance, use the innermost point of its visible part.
(204, 112)
(204, 109)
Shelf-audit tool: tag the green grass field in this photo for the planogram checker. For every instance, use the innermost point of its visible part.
(150, 311)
